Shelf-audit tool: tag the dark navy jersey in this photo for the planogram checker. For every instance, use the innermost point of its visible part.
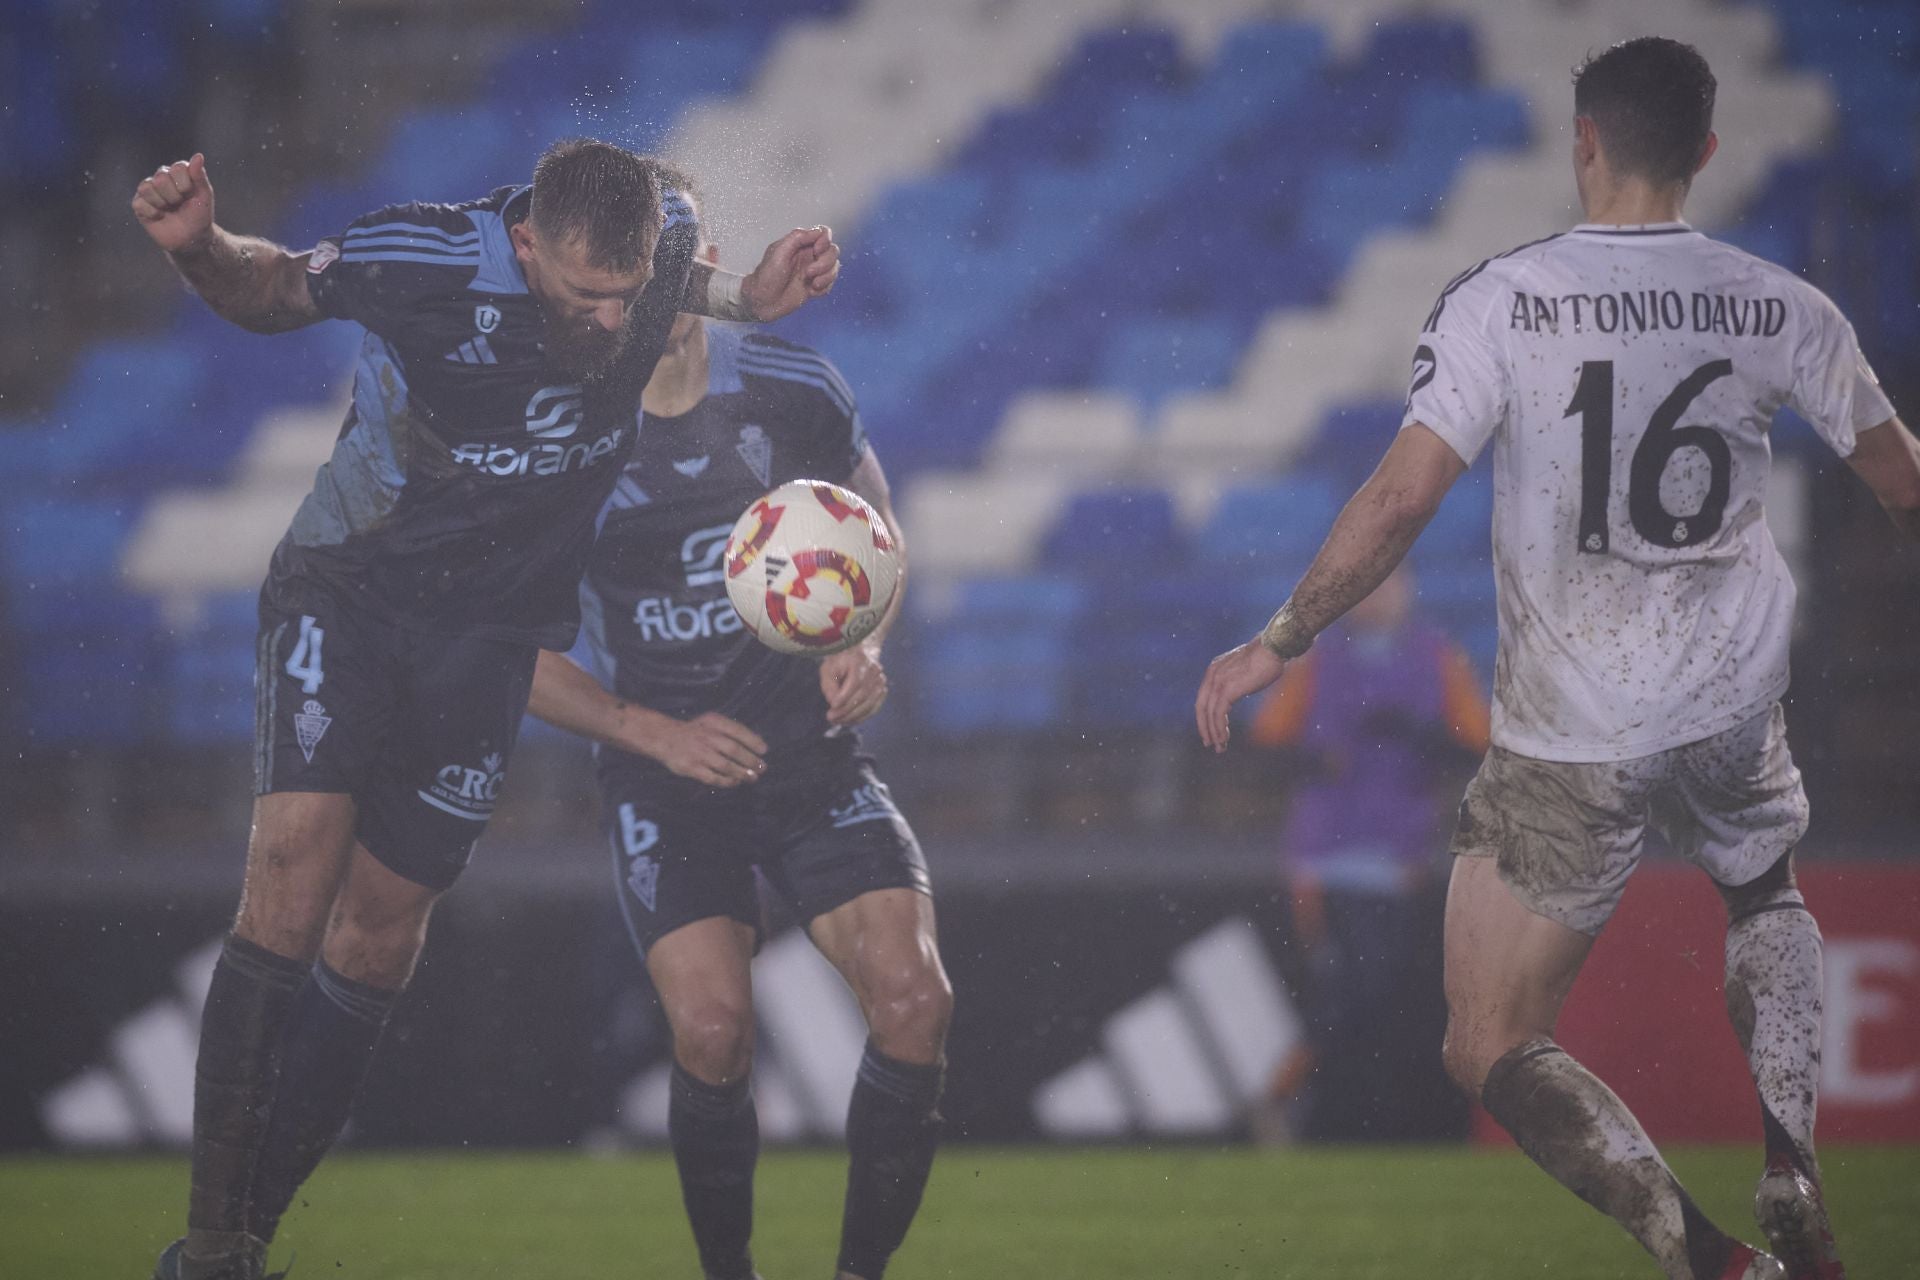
(462, 490)
(659, 628)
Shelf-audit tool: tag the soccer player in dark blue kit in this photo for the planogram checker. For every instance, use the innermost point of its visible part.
(442, 546)
(718, 755)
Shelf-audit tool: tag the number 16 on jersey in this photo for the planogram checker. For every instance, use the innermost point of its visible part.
(1664, 437)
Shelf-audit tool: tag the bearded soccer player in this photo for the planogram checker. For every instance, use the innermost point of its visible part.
(507, 343)
(1627, 372)
(718, 755)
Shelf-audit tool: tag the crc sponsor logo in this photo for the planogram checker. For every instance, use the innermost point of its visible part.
(538, 459)
(702, 553)
(662, 618)
(466, 792)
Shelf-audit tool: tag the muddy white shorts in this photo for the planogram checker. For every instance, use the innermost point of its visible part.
(1568, 835)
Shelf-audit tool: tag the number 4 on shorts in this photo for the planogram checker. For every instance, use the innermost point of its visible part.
(304, 665)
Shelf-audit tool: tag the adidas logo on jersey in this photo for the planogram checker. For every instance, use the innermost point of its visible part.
(475, 352)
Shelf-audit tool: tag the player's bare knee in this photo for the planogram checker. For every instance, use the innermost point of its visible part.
(378, 940)
(907, 1016)
(714, 1041)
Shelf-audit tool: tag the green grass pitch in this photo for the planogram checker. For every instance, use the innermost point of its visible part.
(1045, 1213)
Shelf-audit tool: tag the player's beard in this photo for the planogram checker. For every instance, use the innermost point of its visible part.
(582, 351)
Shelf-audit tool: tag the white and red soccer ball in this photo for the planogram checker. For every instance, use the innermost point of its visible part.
(811, 568)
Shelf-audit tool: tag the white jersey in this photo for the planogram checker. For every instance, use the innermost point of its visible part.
(1628, 377)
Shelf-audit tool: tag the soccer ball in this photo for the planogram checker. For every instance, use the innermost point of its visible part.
(811, 568)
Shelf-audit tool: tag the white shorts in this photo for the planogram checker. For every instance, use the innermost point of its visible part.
(1568, 835)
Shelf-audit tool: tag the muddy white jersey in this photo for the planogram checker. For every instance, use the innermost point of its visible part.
(1628, 378)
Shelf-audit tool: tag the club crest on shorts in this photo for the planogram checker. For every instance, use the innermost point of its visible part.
(486, 317)
(757, 452)
(309, 726)
(643, 877)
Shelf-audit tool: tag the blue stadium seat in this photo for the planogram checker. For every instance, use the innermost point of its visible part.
(1463, 526)
(1353, 438)
(55, 543)
(994, 654)
(1151, 359)
(1157, 634)
(1265, 527)
(206, 672)
(1422, 49)
(1115, 532)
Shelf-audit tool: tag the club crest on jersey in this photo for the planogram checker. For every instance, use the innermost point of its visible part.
(309, 726)
(757, 452)
(486, 317)
(691, 467)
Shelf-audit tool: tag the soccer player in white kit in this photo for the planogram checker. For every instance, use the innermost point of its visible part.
(1627, 373)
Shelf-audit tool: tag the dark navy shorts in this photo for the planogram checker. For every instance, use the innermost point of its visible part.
(415, 726)
(821, 829)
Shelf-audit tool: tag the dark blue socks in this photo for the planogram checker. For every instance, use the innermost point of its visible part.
(330, 1038)
(893, 1127)
(716, 1141)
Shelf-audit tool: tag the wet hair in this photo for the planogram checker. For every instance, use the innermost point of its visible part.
(603, 197)
(1651, 100)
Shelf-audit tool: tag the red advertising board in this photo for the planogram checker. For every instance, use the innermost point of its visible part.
(1647, 1014)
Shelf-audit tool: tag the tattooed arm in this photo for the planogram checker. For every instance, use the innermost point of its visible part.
(1370, 538)
(254, 283)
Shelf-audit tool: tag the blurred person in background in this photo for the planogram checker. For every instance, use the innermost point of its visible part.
(508, 340)
(1375, 719)
(724, 763)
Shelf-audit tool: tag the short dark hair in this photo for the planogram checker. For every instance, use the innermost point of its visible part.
(604, 197)
(1652, 101)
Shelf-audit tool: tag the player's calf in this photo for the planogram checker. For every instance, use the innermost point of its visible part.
(1774, 993)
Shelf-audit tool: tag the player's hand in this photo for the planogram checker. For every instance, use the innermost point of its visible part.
(1230, 677)
(800, 265)
(854, 683)
(175, 205)
(712, 749)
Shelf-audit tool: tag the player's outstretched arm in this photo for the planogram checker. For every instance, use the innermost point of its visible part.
(1887, 457)
(709, 748)
(799, 266)
(1370, 537)
(254, 283)
(854, 680)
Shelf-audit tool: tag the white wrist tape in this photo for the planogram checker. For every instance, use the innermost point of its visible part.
(727, 297)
